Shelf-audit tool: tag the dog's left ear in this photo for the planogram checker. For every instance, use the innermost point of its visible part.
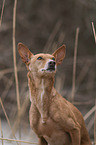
(59, 54)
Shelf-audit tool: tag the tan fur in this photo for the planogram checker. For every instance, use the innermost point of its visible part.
(55, 120)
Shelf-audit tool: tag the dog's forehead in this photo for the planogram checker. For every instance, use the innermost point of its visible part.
(43, 55)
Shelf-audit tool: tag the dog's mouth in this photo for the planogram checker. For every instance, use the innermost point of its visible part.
(51, 69)
(48, 70)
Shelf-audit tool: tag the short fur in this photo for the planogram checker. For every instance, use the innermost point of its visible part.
(55, 120)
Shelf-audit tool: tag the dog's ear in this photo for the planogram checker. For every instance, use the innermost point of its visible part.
(59, 54)
(25, 53)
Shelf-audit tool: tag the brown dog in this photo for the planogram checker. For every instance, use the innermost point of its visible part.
(55, 120)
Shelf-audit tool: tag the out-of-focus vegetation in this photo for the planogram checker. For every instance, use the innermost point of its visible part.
(44, 25)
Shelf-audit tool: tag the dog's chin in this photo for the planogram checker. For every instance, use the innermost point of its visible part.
(47, 71)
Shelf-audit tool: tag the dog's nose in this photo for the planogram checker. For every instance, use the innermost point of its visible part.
(52, 63)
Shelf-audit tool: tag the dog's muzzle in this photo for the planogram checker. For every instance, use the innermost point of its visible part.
(51, 66)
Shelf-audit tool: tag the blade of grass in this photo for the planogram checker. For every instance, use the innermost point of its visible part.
(52, 36)
(95, 124)
(2, 12)
(90, 112)
(14, 55)
(95, 97)
(9, 84)
(74, 64)
(90, 124)
(6, 139)
(1, 131)
(21, 114)
(7, 118)
(94, 31)
(14, 58)
(9, 70)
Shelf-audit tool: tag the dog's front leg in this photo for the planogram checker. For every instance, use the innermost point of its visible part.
(42, 141)
(75, 136)
(74, 131)
(73, 128)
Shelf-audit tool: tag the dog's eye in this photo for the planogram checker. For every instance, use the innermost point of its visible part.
(39, 58)
(53, 58)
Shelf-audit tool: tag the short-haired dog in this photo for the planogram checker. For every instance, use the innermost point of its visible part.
(55, 120)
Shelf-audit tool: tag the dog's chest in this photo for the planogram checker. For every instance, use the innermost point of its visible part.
(53, 133)
(41, 93)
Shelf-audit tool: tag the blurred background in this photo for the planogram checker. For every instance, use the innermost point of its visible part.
(43, 26)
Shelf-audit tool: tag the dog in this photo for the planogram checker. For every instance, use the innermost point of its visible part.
(55, 120)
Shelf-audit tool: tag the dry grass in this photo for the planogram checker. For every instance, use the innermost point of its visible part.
(2, 12)
(7, 119)
(74, 64)
(94, 31)
(13, 140)
(95, 96)
(1, 131)
(52, 36)
(14, 56)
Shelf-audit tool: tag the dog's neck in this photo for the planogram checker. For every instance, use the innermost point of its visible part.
(41, 92)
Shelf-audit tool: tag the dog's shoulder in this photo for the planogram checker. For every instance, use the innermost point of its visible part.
(61, 108)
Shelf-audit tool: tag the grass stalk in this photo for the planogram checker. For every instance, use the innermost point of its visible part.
(21, 114)
(90, 124)
(9, 83)
(10, 70)
(95, 97)
(2, 12)
(90, 112)
(7, 118)
(52, 36)
(74, 64)
(14, 55)
(27, 142)
(1, 131)
(94, 31)
(95, 124)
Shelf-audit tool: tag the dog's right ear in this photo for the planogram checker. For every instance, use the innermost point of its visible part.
(25, 53)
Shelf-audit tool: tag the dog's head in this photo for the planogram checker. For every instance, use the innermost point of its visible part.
(41, 64)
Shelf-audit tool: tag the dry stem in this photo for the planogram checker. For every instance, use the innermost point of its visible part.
(2, 12)
(90, 112)
(94, 31)
(15, 66)
(21, 113)
(95, 123)
(52, 36)
(1, 130)
(7, 118)
(14, 55)
(74, 64)
(6, 139)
